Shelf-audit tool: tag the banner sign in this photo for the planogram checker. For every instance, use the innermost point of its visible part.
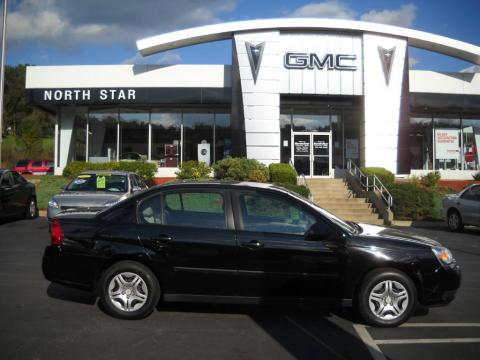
(447, 144)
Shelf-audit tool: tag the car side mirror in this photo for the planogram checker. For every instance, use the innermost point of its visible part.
(317, 231)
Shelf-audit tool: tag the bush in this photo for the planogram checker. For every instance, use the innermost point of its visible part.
(299, 189)
(145, 169)
(430, 180)
(193, 170)
(411, 202)
(385, 176)
(282, 173)
(476, 176)
(242, 169)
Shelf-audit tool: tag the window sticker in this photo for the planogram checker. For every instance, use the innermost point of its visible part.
(79, 181)
(101, 182)
(84, 176)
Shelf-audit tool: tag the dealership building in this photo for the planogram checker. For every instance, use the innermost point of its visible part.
(312, 92)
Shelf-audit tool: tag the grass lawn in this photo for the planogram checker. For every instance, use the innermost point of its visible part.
(47, 186)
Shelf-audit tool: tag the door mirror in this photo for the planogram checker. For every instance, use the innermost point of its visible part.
(317, 231)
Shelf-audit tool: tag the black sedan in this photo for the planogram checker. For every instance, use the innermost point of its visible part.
(17, 196)
(244, 242)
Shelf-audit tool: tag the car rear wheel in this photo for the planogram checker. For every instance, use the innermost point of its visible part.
(129, 290)
(386, 298)
(454, 221)
(31, 211)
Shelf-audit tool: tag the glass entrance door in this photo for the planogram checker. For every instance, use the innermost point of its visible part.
(312, 153)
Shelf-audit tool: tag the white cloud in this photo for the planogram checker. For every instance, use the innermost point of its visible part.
(403, 16)
(327, 9)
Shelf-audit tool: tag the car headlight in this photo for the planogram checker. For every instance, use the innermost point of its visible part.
(443, 255)
(53, 204)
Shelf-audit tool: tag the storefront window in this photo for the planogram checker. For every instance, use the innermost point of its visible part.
(223, 136)
(102, 135)
(311, 123)
(285, 137)
(351, 133)
(78, 145)
(134, 135)
(471, 143)
(198, 137)
(166, 138)
(420, 143)
(447, 143)
(337, 141)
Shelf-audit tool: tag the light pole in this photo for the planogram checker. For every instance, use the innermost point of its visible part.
(2, 73)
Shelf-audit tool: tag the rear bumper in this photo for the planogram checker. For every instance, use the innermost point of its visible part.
(440, 287)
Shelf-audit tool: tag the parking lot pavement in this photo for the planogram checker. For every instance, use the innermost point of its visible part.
(40, 320)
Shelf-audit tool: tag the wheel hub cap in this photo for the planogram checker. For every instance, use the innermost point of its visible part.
(388, 300)
(127, 291)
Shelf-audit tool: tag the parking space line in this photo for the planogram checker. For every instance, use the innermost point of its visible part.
(372, 346)
(426, 341)
(316, 339)
(441, 325)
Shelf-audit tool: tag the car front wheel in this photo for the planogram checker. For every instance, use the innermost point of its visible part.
(31, 211)
(386, 298)
(129, 290)
(454, 221)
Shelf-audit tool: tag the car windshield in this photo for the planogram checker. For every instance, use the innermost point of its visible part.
(99, 182)
(22, 163)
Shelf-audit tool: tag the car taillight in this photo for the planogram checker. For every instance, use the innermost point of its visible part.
(56, 232)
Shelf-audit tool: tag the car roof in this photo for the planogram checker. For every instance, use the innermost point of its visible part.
(217, 183)
(112, 172)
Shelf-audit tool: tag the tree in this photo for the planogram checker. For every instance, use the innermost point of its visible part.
(31, 135)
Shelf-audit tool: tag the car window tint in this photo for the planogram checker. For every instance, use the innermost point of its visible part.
(99, 182)
(22, 163)
(37, 163)
(475, 193)
(17, 178)
(133, 181)
(123, 214)
(140, 182)
(149, 211)
(197, 209)
(267, 213)
(6, 180)
(49, 163)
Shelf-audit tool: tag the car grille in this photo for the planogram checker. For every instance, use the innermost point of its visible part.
(82, 208)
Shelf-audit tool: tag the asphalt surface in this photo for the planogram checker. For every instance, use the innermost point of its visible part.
(39, 320)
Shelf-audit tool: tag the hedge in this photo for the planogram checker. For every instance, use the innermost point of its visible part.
(411, 202)
(385, 176)
(241, 169)
(145, 169)
(193, 170)
(299, 189)
(282, 173)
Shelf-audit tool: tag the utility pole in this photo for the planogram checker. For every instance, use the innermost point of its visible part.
(2, 73)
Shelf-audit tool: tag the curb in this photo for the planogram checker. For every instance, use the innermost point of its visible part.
(419, 224)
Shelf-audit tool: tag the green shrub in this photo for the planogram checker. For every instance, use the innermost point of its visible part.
(385, 176)
(430, 180)
(145, 169)
(411, 202)
(282, 173)
(241, 169)
(193, 170)
(299, 189)
(476, 176)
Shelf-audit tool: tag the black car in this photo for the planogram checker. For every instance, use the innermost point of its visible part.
(244, 242)
(17, 196)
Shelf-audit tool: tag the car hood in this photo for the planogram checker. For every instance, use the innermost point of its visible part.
(86, 198)
(390, 234)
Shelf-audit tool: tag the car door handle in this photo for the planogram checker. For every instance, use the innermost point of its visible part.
(254, 244)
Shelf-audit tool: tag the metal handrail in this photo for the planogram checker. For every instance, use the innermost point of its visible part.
(303, 179)
(369, 185)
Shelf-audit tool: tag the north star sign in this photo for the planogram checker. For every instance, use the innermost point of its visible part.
(86, 94)
(303, 60)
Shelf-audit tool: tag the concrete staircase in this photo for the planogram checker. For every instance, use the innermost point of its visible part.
(334, 196)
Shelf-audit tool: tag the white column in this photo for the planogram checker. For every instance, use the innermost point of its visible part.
(382, 101)
(56, 163)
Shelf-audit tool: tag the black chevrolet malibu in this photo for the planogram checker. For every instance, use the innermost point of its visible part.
(244, 242)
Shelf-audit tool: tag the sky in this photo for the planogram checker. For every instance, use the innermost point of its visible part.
(81, 32)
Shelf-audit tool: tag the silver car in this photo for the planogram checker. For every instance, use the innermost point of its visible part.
(94, 191)
(462, 208)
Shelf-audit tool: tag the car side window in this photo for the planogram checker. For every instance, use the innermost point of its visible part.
(140, 182)
(133, 181)
(7, 181)
(124, 214)
(17, 178)
(149, 211)
(268, 213)
(37, 163)
(472, 193)
(203, 209)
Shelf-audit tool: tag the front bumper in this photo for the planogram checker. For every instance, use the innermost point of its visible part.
(440, 287)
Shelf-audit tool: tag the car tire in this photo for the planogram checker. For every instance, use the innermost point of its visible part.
(454, 221)
(386, 298)
(31, 211)
(129, 290)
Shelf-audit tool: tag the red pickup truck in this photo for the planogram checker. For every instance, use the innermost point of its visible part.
(34, 167)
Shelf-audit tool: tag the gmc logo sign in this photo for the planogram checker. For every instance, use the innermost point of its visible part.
(300, 60)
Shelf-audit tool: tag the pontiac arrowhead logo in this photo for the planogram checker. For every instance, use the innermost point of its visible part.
(386, 57)
(255, 53)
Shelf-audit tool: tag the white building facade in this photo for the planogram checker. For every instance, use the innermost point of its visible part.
(312, 92)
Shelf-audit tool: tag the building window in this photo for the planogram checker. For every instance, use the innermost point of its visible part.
(102, 135)
(447, 143)
(78, 145)
(420, 143)
(166, 137)
(223, 137)
(198, 136)
(133, 134)
(311, 123)
(471, 143)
